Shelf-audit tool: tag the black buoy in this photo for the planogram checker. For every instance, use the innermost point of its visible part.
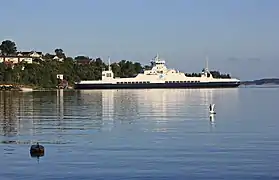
(37, 150)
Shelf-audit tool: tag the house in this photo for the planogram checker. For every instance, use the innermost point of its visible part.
(32, 54)
(27, 57)
(16, 59)
(58, 58)
(12, 60)
(48, 56)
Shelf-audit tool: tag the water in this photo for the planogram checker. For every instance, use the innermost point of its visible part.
(141, 134)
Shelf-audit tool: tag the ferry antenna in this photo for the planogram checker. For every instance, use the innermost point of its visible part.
(206, 62)
(109, 63)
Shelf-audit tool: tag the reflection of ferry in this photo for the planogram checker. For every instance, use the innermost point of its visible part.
(158, 77)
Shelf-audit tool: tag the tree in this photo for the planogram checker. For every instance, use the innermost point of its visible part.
(81, 57)
(59, 53)
(8, 47)
(48, 56)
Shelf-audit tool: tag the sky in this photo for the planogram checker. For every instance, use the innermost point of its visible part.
(240, 37)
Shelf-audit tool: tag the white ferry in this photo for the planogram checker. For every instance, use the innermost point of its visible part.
(158, 77)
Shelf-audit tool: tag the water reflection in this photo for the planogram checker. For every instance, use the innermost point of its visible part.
(157, 108)
(60, 103)
(111, 106)
(9, 106)
(159, 134)
(212, 120)
(58, 113)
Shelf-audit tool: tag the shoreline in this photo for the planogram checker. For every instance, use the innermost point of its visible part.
(21, 87)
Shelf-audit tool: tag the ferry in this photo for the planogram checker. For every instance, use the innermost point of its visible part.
(158, 77)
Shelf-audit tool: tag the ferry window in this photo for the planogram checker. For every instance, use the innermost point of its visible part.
(125, 82)
(181, 81)
(108, 74)
(177, 81)
(185, 81)
(129, 82)
(104, 74)
(148, 82)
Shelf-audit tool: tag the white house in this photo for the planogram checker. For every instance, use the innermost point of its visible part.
(32, 54)
(15, 59)
(58, 59)
(28, 60)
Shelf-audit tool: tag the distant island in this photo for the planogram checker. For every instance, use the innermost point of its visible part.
(265, 81)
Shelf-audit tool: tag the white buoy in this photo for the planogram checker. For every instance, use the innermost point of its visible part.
(211, 109)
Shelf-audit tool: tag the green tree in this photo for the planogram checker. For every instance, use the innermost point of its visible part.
(8, 47)
(59, 53)
(81, 57)
(48, 56)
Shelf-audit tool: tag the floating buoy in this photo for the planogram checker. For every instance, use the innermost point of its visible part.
(37, 150)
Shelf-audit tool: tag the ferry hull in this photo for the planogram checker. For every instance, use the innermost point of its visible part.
(159, 85)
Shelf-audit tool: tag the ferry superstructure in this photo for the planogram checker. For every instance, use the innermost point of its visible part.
(158, 77)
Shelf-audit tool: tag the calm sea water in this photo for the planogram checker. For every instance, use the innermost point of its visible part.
(141, 134)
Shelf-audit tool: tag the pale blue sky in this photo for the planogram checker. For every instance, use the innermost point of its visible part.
(240, 37)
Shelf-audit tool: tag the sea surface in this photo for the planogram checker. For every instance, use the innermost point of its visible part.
(141, 134)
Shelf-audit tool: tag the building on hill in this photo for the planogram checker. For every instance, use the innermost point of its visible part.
(48, 56)
(32, 54)
(27, 57)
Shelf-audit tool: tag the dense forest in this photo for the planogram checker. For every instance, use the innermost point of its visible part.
(43, 72)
